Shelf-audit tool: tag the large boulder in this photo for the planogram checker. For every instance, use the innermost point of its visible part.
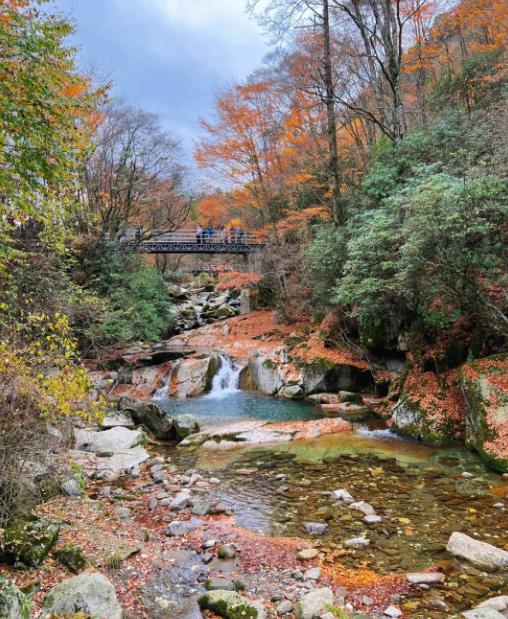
(486, 390)
(11, 600)
(148, 414)
(264, 375)
(231, 605)
(483, 555)
(430, 409)
(323, 375)
(91, 594)
(194, 376)
(110, 468)
(314, 603)
(28, 541)
(113, 440)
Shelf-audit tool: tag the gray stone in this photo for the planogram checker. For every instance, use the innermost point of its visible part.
(481, 554)
(314, 603)
(363, 507)
(149, 414)
(216, 584)
(292, 392)
(117, 419)
(483, 613)
(357, 541)
(392, 611)
(177, 528)
(499, 603)
(315, 528)
(200, 508)
(91, 594)
(108, 441)
(343, 496)
(227, 551)
(11, 600)
(425, 578)
(284, 607)
(180, 501)
(308, 553)
(72, 487)
(372, 519)
(314, 573)
(232, 605)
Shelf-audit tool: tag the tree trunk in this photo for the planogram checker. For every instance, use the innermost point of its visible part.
(331, 123)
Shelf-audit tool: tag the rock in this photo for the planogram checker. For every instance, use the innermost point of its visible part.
(308, 553)
(324, 398)
(284, 608)
(342, 496)
(372, 519)
(499, 603)
(350, 396)
(315, 528)
(425, 578)
(72, 487)
(314, 603)
(487, 404)
(29, 541)
(292, 392)
(11, 600)
(193, 376)
(227, 551)
(91, 594)
(201, 508)
(483, 555)
(323, 375)
(177, 528)
(184, 426)
(219, 584)
(392, 611)
(73, 557)
(314, 573)
(150, 415)
(357, 541)
(117, 419)
(467, 475)
(347, 410)
(231, 605)
(264, 375)
(483, 613)
(113, 440)
(364, 508)
(124, 513)
(124, 462)
(180, 501)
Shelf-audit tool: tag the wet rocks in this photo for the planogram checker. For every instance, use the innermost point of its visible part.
(311, 605)
(231, 605)
(91, 594)
(483, 613)
(372, 519)
(499, 603)
(342, 496)
(193, 376)
(425, 578)
(315, 528)
(357, 542)
(365, 508)
(480, 554)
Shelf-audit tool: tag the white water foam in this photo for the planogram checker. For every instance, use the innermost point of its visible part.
(227, 379)
(380, 433)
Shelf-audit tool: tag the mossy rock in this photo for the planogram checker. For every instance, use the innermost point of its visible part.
(412, 421)
(28, 542)
(231, 605)
(73, 557)
(184, 426)
(487, 408)
(12, 601)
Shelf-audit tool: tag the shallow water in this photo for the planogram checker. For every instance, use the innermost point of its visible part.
(230, 406)
(419, 491)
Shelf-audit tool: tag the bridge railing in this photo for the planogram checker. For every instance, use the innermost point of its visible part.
(217, 236)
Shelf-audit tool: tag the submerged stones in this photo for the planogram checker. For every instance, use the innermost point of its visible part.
(480, 554)
(315, 528)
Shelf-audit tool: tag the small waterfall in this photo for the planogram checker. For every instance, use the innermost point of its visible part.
(227, 379)
(162, 392)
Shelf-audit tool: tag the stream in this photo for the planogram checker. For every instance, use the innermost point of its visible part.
(423, 494)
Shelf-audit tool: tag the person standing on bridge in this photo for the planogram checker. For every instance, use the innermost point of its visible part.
(199, 235)
(138, 232)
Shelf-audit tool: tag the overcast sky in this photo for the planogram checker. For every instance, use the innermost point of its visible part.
(168, 56)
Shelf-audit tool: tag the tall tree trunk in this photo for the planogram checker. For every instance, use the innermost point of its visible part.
(331, 122)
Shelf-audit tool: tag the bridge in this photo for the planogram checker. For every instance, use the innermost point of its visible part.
(187, 242)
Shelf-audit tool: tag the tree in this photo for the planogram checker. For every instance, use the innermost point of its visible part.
(133, 175)
(283, 15)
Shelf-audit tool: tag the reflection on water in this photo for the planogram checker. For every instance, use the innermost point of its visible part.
(419, 491)
(240, 406)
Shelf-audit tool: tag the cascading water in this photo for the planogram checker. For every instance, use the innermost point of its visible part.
(227, 379)
(162, 392)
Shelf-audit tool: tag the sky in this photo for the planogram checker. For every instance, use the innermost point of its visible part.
(167, 56)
